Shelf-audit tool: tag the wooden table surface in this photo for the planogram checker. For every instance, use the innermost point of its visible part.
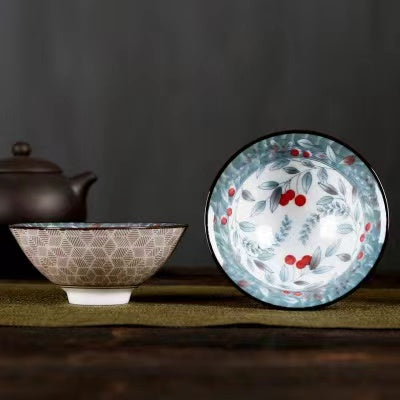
(246, 362)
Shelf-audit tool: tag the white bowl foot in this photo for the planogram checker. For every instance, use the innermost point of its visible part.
(98, 297)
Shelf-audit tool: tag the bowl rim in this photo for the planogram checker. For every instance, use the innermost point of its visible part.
(280, 133)
(89, 226)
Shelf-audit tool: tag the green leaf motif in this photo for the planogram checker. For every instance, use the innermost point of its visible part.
(333, 248)
(307, 227)
(322, 269)
(235, 238)
(220, 242)
(246, 194)
(258, 208)
(265, 255)
(284, 273)
(283, 232)
(342, 187)
(322, 174)
(275, 198)
(273, 142)
(279, 164)
(328, 188)
(305, 143)
(330, 153)
(260, 170)
(316, 258)
(262, 163)
(300, 283)
(268, 185)
(368, 248)
(270, 278)
(291, 170)
(334, 208)
(306, 181)
(325, 200)
(368, 210)
(308, 163)
(354, 194)
(263, 266)
(344, 229)
(246, 226)
(344, 257)
(357, 214)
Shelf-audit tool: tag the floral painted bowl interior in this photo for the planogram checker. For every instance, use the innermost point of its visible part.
(297, 219)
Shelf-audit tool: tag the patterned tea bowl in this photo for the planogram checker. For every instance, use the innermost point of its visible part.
(98, 263)
(297, 219)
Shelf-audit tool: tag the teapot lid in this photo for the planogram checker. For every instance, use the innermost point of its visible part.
(21, 162)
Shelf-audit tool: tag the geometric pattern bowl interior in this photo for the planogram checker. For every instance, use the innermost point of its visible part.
(296, 219)
(97, 255)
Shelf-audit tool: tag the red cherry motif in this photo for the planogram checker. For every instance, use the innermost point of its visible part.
(287, 197)
(297, 293)
(224, 220)
(368, 226)
(243, 283)
(349, 160)
(229, 212)
(231, 192)
(289, 259)
(290, 194)
(307, 154)
(360, 255)
(284, 200)
(307, 259)
(295, 152)
(300, 200)
(286, 291)
(362, 237)
(301, 264)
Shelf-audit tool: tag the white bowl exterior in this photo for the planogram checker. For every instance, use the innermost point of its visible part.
(98, 297)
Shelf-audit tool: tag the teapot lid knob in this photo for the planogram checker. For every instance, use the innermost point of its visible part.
(20, 162)
(21, 149)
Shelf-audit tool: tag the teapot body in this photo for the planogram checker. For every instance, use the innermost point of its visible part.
(39, 198)
(35, 190)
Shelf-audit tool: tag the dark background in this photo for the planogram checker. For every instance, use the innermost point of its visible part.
(154, 96)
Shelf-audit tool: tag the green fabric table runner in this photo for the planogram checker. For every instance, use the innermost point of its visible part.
(43, 304)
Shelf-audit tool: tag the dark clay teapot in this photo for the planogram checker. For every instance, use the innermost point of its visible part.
(35, 190)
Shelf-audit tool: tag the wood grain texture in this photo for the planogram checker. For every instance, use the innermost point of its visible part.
(203, 363)
(223, 363)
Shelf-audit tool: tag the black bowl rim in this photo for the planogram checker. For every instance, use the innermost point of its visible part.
(91, 226)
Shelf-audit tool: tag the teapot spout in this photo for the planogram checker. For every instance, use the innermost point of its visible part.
(81, 183)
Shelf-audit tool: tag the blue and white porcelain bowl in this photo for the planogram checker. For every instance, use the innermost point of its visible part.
(297, 219)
